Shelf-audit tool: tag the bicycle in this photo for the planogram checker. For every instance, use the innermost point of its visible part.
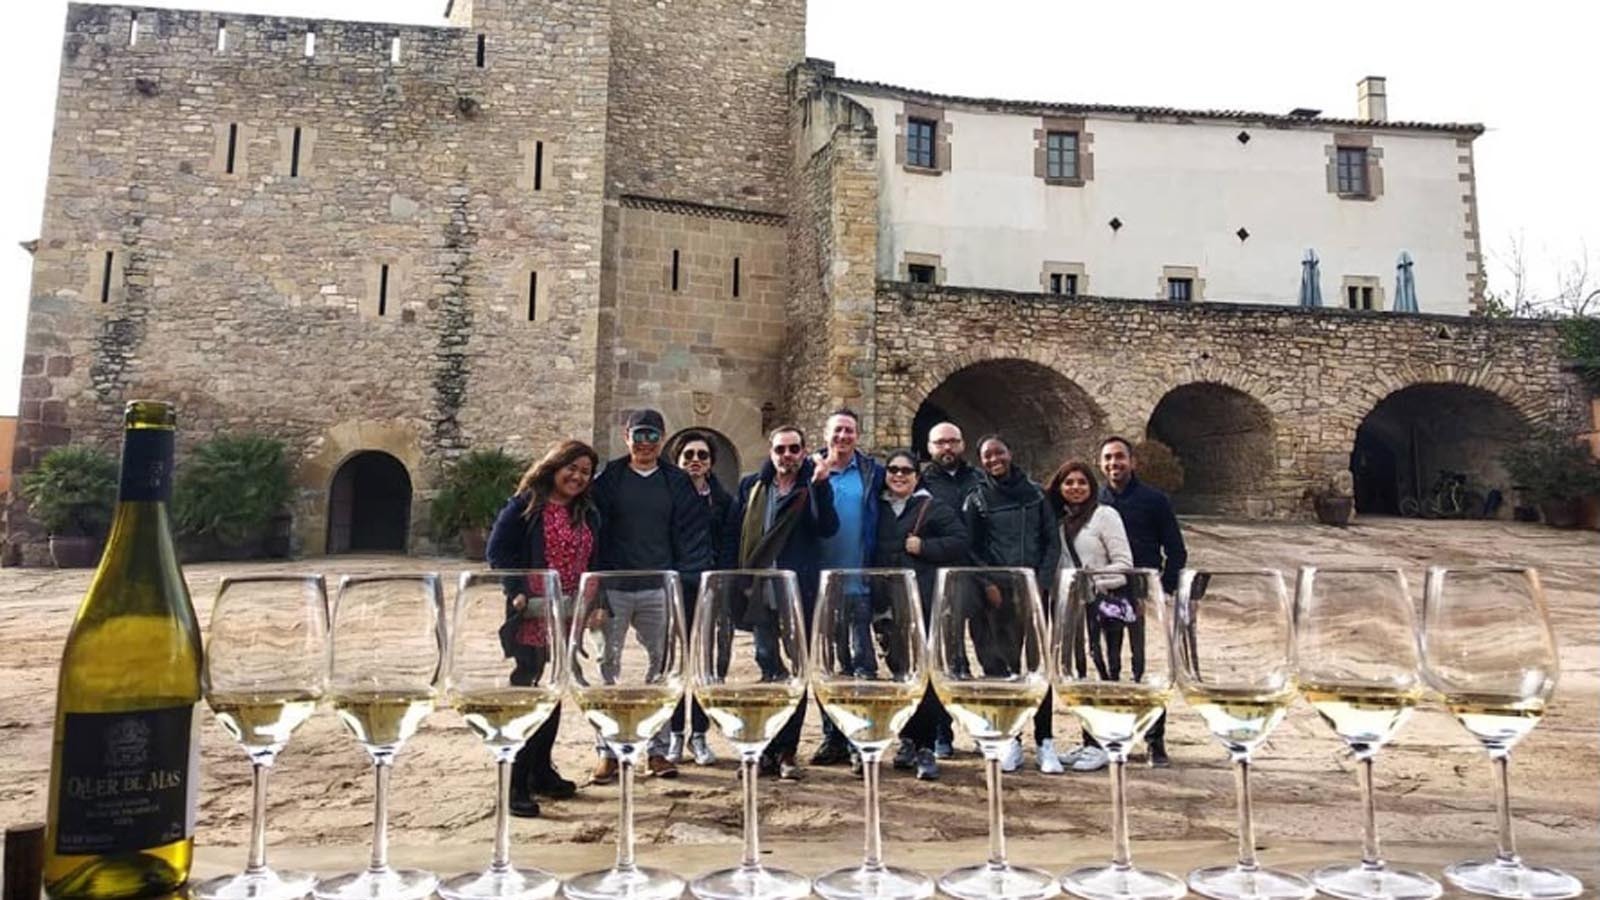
(1449, 498)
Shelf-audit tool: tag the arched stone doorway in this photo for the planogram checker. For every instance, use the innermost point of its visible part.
(1419, 431)
(369, 505)
(1223, 439)
(1044, 416)
(726, 467)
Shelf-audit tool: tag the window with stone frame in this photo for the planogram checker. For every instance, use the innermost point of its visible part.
(1064, 284)
(1180, 290)
(1363, 292)
(1352, 171)
(918, 273)
(920, 135)
(1061, 154)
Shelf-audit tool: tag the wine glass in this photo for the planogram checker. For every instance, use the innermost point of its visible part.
(868, 671)
(503, 711)
(1488, 648)
(1115, 713)
(1356, 659)
(993, 616)
(627, 690)
(388, 650)
(266, 666)
(747, 664)
(1233, 647)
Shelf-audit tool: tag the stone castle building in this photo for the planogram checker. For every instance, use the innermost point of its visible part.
(387, 245)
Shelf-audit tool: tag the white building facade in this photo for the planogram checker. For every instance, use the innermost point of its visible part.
(1169, 204)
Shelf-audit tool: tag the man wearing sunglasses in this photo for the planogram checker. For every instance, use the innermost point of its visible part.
(651, 518)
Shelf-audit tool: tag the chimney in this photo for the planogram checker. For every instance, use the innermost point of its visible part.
(1372, 99)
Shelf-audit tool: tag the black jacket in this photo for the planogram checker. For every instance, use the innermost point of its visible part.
(944, 540)
(950, 488)
(721, 504)
(802, 552)
(689, 527)
(1152, 528)
(1005, 531)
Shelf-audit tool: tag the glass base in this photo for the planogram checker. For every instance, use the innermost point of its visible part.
(1502, 879)
(382, 884)
(638, 883)
(1005, 882)
(510, 884)
(882, 883)
(1236, 883)
(755, 883)
(1111, 882)
(1357, 881)
(264, 885)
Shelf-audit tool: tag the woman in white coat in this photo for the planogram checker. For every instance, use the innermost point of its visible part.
(1092, 537)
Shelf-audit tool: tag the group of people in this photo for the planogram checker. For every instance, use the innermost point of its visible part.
(835, 508)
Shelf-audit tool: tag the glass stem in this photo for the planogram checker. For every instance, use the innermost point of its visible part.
(625, 761)
(1247, 826)
(869, 772)
(1507, 851)
(258, 818)
(748, 761)
(1121, 857)
(380, 817)
(502, 813)
(1371, 856)
(997, 827)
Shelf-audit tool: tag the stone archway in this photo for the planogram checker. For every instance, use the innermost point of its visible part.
(1418, 431)
(369, 505)
(1223, 438)
(1045, 416)
(726, 468)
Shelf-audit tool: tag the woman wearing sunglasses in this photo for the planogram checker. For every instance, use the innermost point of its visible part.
(917, 531)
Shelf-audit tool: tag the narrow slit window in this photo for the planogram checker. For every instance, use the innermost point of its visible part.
(736, 276)
(294, 155)
(483, 50)
(674, 270)
(311, 43)
(133, 29)
(222, 36)
(538, 165)
(533, 296)
(394, 51)
(233, 147)
(383, 289)
(105, 278)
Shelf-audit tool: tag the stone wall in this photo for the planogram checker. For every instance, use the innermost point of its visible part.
(1311, 377)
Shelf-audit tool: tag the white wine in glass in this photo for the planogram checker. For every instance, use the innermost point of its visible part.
(625, 665)
(1357, 664)
(1233, 642)
(1488, 648)
(1114, 712)
(502, 710)
(869, 671)
(388, 655)
(993, 618)
(266, 666)
(748, 668)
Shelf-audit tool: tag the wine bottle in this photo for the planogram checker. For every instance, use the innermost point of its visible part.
(124, 766)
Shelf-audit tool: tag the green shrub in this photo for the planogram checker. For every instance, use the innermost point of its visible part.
(1580, 341)
(72, 491)
(230, 487)
(472, 492)
(1550, 466)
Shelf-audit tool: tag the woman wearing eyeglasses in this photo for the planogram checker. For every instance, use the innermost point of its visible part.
(919, 532)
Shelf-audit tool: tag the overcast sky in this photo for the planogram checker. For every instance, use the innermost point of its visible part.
(1523, 70)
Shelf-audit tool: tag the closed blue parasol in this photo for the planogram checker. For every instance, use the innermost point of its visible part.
(1405, 284)
(1310, 280)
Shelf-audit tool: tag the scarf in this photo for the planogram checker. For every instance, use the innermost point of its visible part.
(1015, 486)
(758, 546)
(1073, 518)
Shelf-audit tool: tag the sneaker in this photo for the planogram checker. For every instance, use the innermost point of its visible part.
(700, 750)
(1089, 759)
(661, 767)
(675, 748)
(605, 771)
(927, 766)
(1049, 762)
(943, 749)
(831, 753)
(788, 769)
(905, 759)
(1012, 761)
(550, 783)
(857, 767)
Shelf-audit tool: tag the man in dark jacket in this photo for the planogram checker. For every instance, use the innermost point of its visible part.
(1156, 542)
(779, 518)
(652, 518)
(949, 478)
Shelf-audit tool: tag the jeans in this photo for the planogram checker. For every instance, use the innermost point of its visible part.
(646, 612)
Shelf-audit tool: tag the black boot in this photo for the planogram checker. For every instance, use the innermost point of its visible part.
(1158, 753)
(547, 781)
(522, 805)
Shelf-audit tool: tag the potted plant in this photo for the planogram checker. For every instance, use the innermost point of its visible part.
(230, 496)
(73, 492)
(1553, 472)
(470, 495)
(1335, 501)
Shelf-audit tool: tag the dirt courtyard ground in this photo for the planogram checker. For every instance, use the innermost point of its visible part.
(1434, 783)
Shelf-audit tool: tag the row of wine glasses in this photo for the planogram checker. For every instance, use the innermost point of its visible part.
(1232, 644)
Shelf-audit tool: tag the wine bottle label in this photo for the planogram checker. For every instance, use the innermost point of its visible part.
(146, 465)
(127, 780)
